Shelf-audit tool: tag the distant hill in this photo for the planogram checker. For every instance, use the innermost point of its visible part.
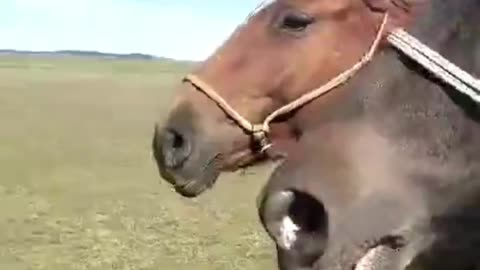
(90, 54)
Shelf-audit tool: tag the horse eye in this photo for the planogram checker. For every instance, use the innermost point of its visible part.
(296, 22)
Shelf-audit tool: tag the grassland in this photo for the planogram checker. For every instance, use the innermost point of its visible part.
(79, 189)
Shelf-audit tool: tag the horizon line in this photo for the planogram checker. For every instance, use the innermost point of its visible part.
(4, 50)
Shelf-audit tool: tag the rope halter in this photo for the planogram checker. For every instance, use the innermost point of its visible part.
(259, 132)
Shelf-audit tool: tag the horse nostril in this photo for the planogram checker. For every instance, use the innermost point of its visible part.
(177, 141)
(298, 223)
(175, 148)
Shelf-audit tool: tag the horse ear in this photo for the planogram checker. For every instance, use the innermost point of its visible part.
(394, 5)
(401, 12)
(378, 5)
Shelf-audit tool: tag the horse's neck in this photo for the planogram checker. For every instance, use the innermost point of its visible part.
(451, 28)
(417, 111)
(437, 126)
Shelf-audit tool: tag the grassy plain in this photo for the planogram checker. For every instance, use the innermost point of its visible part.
(79, 189)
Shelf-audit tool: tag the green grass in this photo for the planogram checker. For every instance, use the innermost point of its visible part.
(78, 186)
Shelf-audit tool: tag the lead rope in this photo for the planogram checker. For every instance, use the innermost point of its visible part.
(435, 63)
(260, 131)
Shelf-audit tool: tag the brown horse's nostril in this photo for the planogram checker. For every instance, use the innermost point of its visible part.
(175, 148)
(298, 223)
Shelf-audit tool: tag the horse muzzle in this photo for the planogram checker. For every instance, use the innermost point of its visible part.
(173, 149)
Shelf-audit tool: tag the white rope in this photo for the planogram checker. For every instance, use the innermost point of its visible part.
(435, 63)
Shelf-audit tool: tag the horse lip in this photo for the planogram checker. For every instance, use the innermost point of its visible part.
(189, 189)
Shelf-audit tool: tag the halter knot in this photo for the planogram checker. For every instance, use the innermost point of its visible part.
(260, 136)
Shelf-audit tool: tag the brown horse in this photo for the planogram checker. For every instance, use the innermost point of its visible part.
(283, 51)
(389, 178)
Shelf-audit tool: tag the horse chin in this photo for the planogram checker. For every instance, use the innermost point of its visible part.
(192, 188)
(194, 180)
(199, 174)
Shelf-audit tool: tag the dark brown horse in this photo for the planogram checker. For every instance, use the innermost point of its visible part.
(389, 178)
(283, 51)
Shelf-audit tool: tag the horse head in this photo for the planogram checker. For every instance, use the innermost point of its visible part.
(284, 50)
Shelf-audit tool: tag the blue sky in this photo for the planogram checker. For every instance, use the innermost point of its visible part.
(181, 29)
